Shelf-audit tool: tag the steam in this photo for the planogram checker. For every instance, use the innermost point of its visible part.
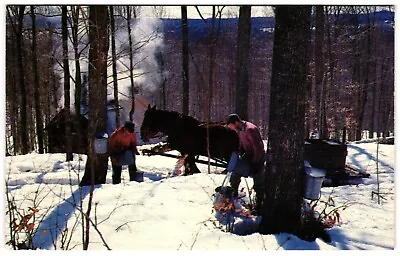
(147, 41)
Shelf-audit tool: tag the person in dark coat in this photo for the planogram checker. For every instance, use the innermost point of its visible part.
(249, 159)
(121, 140)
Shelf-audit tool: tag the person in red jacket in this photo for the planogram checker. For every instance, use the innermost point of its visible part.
(249, 159)
(122, 139)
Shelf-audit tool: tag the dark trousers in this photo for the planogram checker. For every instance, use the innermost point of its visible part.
(258, 175)
(117, 170)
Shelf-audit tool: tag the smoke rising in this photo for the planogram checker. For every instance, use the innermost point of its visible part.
(147, 41)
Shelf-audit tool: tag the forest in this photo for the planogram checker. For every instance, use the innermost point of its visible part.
(192, 66)
(296, 72)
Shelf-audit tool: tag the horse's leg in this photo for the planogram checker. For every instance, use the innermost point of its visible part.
(179, 164)
(190, 165)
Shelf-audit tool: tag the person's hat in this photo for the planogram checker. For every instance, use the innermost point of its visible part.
(130, 126)
(232, 118)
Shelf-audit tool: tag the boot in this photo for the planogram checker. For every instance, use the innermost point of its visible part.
(235, 182)
(132, 171)
(116, 174)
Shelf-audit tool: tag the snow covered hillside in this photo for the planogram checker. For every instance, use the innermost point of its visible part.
(175, 213)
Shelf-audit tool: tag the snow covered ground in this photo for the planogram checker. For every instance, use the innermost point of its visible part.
(175, 213)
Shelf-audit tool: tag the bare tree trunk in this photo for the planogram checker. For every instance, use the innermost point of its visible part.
(96, 164)
(242, 62)
(281, 210)
(371, 33)
(309, 123)
(319, 69)
(75, 41)
(133, 90)
(185, 61)
(19, 48)
(207, 103)
(38, 110)
(78, 81)
(67, 100)
(114, 66)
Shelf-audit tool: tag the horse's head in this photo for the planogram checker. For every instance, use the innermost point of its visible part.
(150, 126)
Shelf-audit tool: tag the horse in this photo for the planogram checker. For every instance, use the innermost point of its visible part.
(189, 136)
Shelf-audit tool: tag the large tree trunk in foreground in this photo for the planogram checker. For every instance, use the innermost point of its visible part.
(96, 164)
(284, 167)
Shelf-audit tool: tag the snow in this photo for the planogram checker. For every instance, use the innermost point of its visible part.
(167, 212)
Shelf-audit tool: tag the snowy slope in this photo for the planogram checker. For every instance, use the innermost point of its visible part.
(175, 213)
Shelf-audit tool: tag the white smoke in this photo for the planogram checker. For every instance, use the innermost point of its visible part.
(147, 41)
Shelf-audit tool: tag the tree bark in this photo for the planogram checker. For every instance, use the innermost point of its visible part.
(284, 168)
(185, 62)
(133, 90)
(78, 81)
(67, 97)
(96, 164)
(75, 42)
(319, 70)
(23, 116)
(114, 66)
(242, 62)
(38, 109)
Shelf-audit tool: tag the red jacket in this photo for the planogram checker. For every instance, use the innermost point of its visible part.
(251, 142)
(120, 140)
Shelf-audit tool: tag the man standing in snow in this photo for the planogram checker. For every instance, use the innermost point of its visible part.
(249, 160)
(121, 140)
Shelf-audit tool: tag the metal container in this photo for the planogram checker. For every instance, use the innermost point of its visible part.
(138, 176)
(313, 180)
(100, 143)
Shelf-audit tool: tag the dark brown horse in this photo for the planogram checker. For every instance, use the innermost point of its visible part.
(189, 136)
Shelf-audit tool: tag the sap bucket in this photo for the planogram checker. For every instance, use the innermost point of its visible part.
(138, 176)
(313, 182)
(100, 143)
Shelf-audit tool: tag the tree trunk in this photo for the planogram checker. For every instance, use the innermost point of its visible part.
(23, 117)
(67, 97)
(284, 168)
(185, 62)
(319, 69)
(371, 33)
(75, 42)
(133, 90)
(242, 62)
(114, 66)
(78, 81)
(96, 165)
(38, 110)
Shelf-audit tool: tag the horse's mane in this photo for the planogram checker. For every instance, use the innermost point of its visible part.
(177, 116)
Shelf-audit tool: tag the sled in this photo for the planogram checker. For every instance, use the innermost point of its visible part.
(344, 176)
